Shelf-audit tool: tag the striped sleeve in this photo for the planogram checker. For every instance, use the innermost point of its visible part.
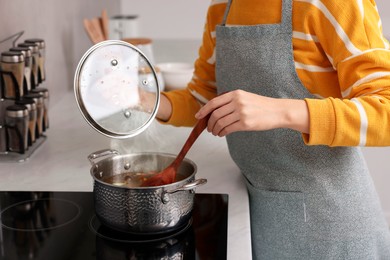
(357, 112)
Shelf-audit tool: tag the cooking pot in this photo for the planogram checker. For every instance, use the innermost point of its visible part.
(142, 210)
(117, 100)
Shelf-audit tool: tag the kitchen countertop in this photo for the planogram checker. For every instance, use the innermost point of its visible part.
(60, 164)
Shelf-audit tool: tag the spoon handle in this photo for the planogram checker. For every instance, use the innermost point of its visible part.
(196, 131)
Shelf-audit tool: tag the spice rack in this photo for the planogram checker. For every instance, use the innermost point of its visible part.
(23, 100)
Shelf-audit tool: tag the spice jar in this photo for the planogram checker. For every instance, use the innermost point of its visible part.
(12, 65)
(41, 57)
(45, 93)
(27, 66)
(17, 128)
(32, 112)
(38, 99)
(35, 61)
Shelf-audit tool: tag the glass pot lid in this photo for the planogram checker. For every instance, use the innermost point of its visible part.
(116, 89)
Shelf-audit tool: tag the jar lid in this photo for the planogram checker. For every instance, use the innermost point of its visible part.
(17, 111)
(12, 57)
(37, 97)
(29, 103)
(24, 50)
(124, 17)
(138, 41)
(32, 46)
(43, 91)
(110, 89)
(39, 42)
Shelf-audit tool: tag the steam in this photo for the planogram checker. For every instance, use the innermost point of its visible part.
(149, 140)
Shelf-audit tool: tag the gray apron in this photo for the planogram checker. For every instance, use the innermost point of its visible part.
(306, 202)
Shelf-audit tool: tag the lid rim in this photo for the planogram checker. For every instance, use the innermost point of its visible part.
(81, 105)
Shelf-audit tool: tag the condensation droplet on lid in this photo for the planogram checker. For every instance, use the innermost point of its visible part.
(127, 113)
(114, 62)
(145, 82)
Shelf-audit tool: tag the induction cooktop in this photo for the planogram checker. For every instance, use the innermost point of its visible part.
(63, 225)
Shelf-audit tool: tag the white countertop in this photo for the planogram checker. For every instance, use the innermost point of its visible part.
(61, 164)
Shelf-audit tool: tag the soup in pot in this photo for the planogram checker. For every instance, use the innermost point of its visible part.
(133, 179)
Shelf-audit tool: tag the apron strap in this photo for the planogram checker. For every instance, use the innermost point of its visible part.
(286, 15)
(226, 12)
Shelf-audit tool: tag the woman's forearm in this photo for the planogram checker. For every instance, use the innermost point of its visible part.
(165, 109)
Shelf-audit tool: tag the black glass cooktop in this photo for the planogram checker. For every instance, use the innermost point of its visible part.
(63, 225)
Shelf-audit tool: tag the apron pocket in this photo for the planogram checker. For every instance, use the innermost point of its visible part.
(277, 223)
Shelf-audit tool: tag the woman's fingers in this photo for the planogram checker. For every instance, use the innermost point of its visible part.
(220, 118)
(213, 104)
(225, 124)
(240, 110)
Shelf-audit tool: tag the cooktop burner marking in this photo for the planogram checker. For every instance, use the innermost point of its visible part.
(7, 213)
(118, 236)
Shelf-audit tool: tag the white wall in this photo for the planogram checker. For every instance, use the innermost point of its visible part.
(174, 19)
(384, 11)
(178, 19)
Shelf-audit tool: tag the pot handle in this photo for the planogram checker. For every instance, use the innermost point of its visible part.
(188, 186)
(101, 153)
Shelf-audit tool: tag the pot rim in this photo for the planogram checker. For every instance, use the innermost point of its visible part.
(174, 184)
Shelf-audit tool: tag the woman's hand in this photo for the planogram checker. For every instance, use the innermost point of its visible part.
(239, 110)
(148, 101)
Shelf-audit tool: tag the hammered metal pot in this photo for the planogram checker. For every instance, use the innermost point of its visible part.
(142, 210)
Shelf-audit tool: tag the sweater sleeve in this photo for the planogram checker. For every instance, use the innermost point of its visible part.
(354, 43)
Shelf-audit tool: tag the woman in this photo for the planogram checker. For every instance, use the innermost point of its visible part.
(296, 87)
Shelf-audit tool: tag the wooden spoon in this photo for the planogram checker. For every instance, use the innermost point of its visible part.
(94, 30)
(168, 175)
(105, 24)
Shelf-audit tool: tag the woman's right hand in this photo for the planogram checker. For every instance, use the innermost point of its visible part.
(239, 110)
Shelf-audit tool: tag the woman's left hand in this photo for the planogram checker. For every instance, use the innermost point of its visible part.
(239, 110)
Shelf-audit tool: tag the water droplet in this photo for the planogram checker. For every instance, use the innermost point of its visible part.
(114, 62)
(145, 82)
(127, 113)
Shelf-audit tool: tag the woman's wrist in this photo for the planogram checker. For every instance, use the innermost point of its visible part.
(295, 115)
(165, 108)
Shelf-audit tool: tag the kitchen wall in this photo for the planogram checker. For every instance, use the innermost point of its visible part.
(384, 11)
(177, 19)
(60, 24)
(168, 19)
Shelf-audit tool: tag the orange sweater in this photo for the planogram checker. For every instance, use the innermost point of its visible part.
(340, 56)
